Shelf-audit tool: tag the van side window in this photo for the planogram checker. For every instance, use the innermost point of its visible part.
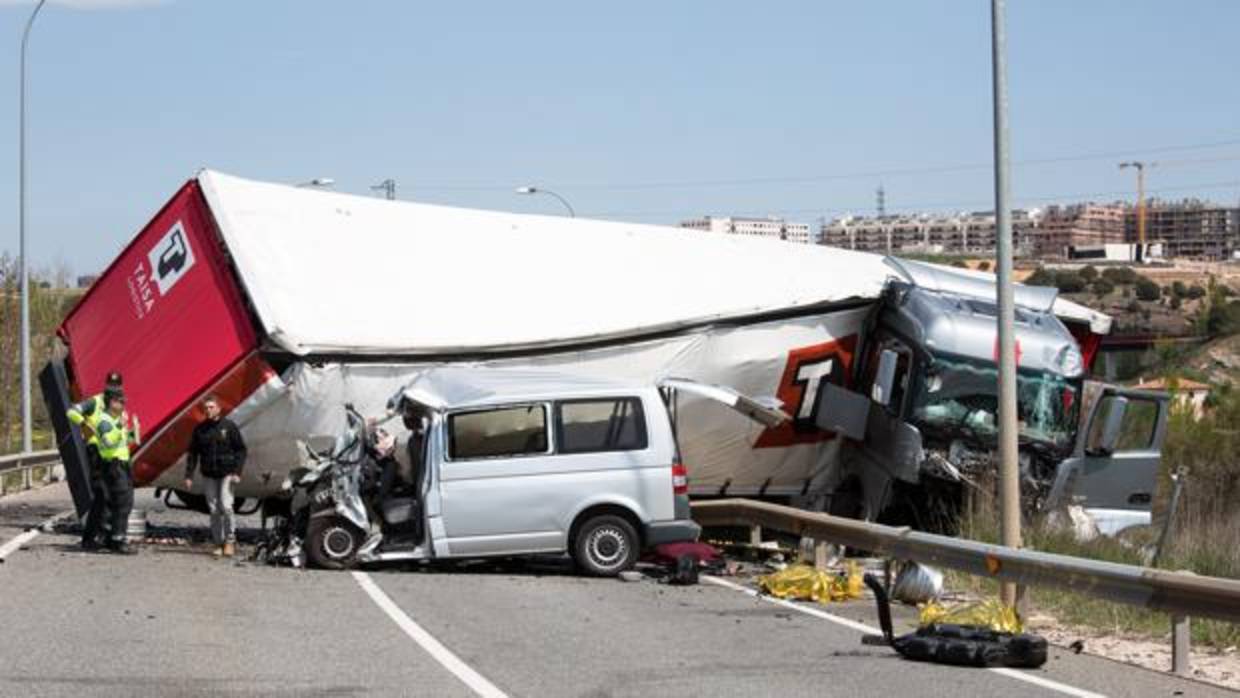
(506, 431)
(587, 426)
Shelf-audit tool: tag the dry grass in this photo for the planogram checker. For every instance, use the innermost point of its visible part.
(1204, 544)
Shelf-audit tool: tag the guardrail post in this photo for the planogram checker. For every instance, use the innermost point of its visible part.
(1181, 639)
(820, 554)
(755, 535)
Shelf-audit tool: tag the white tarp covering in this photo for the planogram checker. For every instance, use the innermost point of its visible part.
(719, 446)
(336, 273)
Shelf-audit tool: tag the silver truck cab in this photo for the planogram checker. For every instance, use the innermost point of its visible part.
(516, 462)
(929, 378)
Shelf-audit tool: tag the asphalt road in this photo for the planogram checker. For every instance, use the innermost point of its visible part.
(171, 621)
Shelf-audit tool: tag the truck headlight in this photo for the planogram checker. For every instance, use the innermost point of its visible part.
(1071, 363)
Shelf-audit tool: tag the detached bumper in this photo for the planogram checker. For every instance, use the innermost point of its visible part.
(677, 531)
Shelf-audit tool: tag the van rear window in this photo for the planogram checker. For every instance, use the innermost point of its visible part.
(585, 426)
(507, 431)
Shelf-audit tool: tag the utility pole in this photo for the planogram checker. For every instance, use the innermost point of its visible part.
(388, 187)
(1009, 473)
(1140, 167)
(23, 267)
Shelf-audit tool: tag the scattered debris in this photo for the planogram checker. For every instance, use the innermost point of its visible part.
(631, 576)
(1077, 647)
(807, 583)
(990, 614)
(917, 583)
(973, 645)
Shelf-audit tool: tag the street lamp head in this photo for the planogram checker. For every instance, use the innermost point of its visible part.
(318, 182)
(527, 190)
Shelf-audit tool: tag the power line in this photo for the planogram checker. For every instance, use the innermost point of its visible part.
(915, 207)
(870, 174)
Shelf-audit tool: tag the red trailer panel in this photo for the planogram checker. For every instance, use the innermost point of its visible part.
(167, 314)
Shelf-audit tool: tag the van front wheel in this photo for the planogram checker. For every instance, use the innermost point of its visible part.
(332, 543)
(605, 546)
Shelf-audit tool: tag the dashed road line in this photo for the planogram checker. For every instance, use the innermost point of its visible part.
(476, 682)
(862, 627)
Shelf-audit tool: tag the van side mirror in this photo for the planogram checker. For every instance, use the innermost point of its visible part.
(885, 377)
(1111, 412)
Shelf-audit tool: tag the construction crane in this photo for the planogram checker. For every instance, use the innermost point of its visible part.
(1140, 167)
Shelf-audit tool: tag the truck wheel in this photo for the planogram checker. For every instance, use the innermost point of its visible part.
(332, 543)
(605, 546)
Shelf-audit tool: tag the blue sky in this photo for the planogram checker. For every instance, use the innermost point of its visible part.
(642, 111)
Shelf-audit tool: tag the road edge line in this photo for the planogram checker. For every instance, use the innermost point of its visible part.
(476, 682)
(862, 627)
(16, 542)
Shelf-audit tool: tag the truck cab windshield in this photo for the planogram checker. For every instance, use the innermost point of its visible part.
(962, 395)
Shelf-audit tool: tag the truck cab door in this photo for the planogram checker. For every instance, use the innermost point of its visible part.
(1120, 456)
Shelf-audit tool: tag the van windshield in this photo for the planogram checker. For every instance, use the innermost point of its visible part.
(962, 395)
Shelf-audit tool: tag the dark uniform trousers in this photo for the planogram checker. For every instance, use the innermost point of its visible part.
(100, 505)
(119, 482)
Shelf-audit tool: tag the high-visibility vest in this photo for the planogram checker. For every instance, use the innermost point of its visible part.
(113, 438)
(89, 412)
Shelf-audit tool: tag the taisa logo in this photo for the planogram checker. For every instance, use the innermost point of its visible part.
(166, 262)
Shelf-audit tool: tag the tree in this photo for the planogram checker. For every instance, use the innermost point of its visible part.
(1195, 291)
(1175, 303)
(1147, 290)
(1089, 272)
(1178, 290)
(983, 266)
(1102, 287)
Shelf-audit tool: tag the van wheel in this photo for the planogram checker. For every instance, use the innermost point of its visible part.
(605, 546)
(332, 543)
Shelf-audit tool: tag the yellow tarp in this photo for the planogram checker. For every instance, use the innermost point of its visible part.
(807, 583)
(986, 614)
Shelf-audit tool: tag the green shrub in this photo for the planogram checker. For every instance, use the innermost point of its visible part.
(1120, 276)
(1147, 290)
(1069, 282)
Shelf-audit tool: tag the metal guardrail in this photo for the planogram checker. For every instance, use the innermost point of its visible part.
(1181, 594)
(25, 463)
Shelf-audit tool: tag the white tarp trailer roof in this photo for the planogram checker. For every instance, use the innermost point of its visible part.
(332, 273)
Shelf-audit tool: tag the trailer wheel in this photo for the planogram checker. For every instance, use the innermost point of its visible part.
(332, 543)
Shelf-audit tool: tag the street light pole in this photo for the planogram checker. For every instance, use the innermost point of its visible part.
(1009, 482)
(536, 190)
(23, 267)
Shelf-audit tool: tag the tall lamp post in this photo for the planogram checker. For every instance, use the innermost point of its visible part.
(23, 267)
(1009, 482)
(548, 192)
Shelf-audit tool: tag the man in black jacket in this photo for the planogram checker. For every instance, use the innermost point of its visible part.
(217, 447)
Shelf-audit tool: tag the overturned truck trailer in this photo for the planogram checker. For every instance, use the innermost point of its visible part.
(287, 303)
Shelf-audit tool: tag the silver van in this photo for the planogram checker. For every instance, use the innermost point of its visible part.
(511, 462)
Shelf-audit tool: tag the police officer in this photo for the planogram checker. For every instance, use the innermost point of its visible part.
(86, 415)
(115, 439)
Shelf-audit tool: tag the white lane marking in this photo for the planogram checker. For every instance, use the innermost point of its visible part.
(862, 627)
(477, 682)
(23, 538)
